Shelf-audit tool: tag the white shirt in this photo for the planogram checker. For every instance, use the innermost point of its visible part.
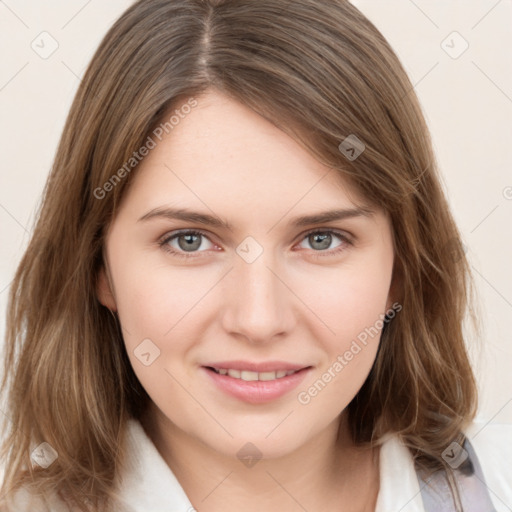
(149, 485)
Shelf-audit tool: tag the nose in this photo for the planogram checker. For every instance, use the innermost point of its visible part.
(257, 303)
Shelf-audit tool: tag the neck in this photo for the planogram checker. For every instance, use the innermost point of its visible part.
(326, 473)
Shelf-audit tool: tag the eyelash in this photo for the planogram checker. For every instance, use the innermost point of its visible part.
(164, 244)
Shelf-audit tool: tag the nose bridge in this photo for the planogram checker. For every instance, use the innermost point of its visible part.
(257, 304)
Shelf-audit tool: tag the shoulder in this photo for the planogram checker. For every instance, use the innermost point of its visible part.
(147, 483)
(399, 486)
(492, 444)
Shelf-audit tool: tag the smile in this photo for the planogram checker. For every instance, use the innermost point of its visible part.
(255, 387)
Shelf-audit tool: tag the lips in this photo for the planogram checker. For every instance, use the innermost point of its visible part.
(256, 382)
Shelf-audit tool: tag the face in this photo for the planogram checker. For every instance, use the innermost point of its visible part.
(212, 263)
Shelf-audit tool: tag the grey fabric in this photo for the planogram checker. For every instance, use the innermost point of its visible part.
(466, 474)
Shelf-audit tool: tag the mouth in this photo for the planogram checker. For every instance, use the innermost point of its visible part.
(271, 382)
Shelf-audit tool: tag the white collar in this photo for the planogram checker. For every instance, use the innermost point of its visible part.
(399, 486)
(148, 482)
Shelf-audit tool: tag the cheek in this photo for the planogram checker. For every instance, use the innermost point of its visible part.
(159, 308)
(352, 306)
(356, 318)
(348, 300)
(163, 311)
(154, 299)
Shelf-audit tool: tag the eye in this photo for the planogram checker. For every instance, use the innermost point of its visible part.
(322, 240)
(187, 242)
(183, 242)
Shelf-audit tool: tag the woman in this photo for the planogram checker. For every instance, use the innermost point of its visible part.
(245, 287)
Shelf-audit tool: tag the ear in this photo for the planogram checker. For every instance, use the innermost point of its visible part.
(104, 290)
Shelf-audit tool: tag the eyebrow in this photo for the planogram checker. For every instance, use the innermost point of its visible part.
(214, 221)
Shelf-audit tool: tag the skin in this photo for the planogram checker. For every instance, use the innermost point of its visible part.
(289, 304)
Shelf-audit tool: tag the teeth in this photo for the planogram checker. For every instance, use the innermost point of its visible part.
(251, 376)
(267, 376)
(245, 375)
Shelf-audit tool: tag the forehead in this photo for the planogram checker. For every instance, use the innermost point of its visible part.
(221, 154)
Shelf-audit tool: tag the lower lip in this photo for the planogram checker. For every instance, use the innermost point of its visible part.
(257, 391)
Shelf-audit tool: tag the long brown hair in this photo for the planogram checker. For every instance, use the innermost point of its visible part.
(320, 71)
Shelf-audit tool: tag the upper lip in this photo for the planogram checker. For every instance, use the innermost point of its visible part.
(265, 366)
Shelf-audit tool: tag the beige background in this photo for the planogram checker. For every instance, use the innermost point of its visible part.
(467, 100)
